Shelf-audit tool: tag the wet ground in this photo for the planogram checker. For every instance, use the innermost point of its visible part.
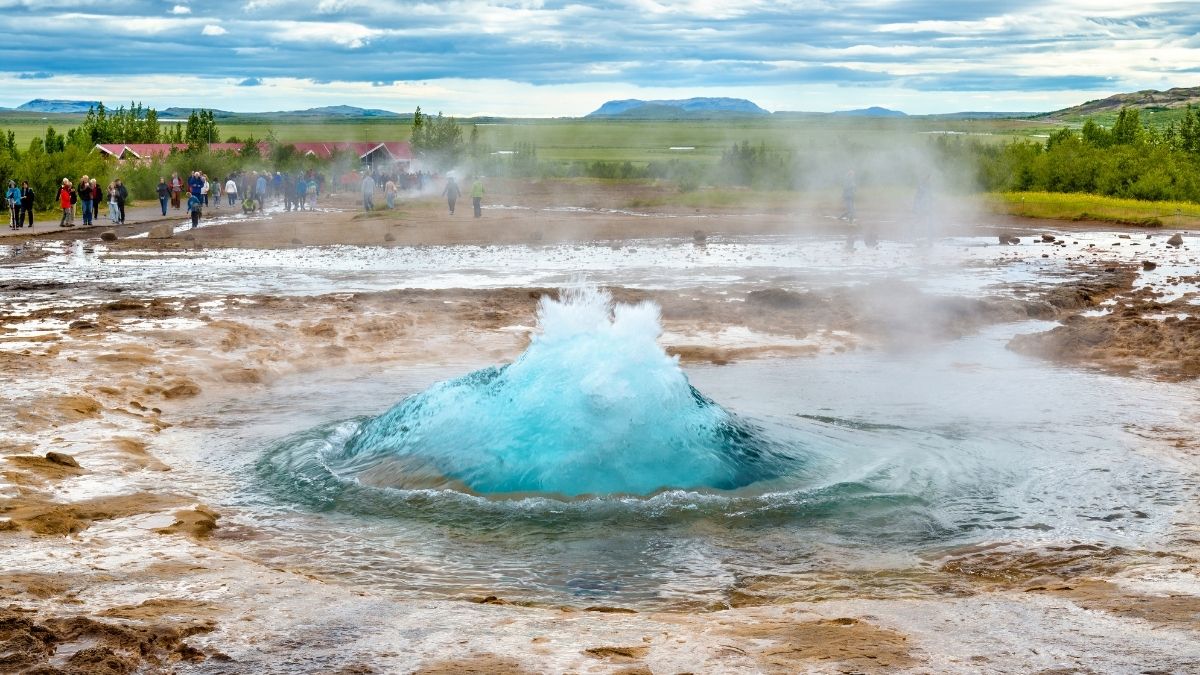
(971, 504)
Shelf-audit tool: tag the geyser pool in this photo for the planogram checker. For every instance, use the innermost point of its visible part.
(593, 406)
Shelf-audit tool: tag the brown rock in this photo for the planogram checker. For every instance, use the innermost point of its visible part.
(161, 231)
(1148, 265)
(1175, 240)
(61, 458)
(1049, 238)
(389, 237)
(108, 235)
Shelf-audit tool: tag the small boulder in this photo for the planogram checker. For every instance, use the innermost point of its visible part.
(108, 235)
(1148, 265)
(1175, 240)
(61, 459)
(699, 236)
(81, 324)
(296, 241)
(388, 236)
(1048, 238)
(161, 231)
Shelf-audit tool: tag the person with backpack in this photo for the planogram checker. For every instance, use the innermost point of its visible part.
(122, 196)
(12, 197)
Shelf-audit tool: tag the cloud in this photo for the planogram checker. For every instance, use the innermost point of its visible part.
(180, 9)
(34, 76)
(251, 82)
(941, 49)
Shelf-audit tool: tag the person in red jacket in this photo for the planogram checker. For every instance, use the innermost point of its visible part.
(66, 199)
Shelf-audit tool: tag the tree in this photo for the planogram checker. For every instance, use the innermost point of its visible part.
(437, 141)
(1128, 128)
(54, 142)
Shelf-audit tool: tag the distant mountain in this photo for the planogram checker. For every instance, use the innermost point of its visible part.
(981, 115)
(43, 105)
(346, 112)
(1147, 99)
(873, 111)
(692, 107)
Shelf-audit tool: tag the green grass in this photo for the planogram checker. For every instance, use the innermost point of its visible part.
(1075, 206)
(592, 140)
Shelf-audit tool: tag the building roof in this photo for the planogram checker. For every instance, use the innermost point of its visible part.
(395, 150)
(147, 150)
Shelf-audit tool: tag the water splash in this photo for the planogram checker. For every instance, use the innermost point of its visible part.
(593, 406)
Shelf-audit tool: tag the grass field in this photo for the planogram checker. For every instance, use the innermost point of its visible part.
(591, 140)
(1072, 206)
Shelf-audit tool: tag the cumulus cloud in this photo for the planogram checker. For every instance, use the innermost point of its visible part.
(945, 50)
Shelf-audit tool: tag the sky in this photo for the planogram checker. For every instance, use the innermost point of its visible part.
(551, 58)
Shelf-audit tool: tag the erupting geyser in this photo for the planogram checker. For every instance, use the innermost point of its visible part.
(593, 406)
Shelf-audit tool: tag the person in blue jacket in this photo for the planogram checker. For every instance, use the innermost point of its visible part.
(193, 207)
(195, 184)
(12, 197)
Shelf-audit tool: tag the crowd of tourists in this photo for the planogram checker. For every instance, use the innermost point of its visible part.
(193, 193)
(86, 195)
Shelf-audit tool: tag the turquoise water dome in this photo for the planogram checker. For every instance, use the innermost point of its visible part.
(593, 406)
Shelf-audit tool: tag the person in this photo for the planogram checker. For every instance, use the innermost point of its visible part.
(289, 192)
(204, 186)
(114, 207)
(164, 194)
(122, 196)
(195, 184)
(12, 197)
(301, 192)
(368, 192)
(389, 193)
(477, 196)
(66, 199)
(214, 191)
(96, 195)
(86, 199)
(849, 188)
(176, 190)
(260, 191)
(27, 195)
(451, 193)
(193, 206)
(231, 190)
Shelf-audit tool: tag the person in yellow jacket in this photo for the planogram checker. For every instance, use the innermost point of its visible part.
(477, 196)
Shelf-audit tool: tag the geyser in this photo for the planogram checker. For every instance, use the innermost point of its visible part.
(593, 406)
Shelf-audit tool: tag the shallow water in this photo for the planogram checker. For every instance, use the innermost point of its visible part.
(954, 265)
(912, 454)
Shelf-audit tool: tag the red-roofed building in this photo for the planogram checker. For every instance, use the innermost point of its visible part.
(372, 153)
(150, 150)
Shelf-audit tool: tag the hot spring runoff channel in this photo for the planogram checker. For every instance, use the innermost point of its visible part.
(592, 469)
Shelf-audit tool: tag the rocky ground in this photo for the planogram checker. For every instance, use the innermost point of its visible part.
(114, 563)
